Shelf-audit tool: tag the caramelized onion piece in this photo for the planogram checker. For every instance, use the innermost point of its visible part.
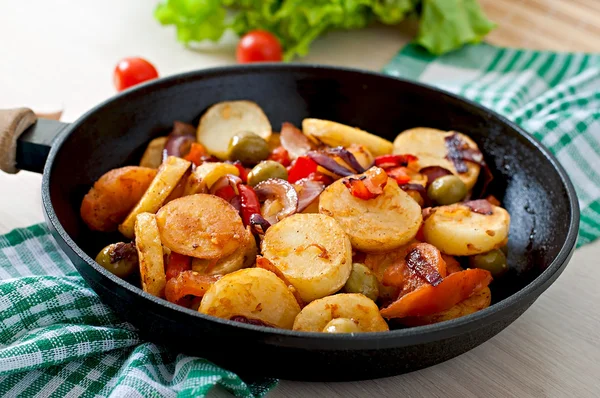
(459, 151)
(179, 145)
(181, 128)
(259, 224)
(424, 259)
(293, 141)
(249, 321)
(480, 206)
(277, 189)
(308, 191)
(226, 180)
(188, 283)
(433, 173)
(329, 163)
(347, 157)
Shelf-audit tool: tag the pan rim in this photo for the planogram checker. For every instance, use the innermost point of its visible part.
(400, 337)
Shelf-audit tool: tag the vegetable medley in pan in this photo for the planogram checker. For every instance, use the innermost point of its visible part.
(326, 228)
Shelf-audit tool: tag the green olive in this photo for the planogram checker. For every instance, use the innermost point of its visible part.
(248, 148)
(362, 281)
(493, 261)
(447, 190)
(119, 258)
(265, 170)
(341, 325)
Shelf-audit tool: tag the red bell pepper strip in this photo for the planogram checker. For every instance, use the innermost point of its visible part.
(399, 174)
(242, 170)
(428, 300)
(196, 153)
(281, 155)
(249, 203)
(188, 283)
(177, 264)
(387, 161)
(227, 193)
(302, 168)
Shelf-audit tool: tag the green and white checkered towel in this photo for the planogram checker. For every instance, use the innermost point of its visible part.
(58, 339)
(554, 96)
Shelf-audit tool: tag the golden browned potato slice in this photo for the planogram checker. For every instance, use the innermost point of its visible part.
(476, 302)
(253, 293)
(458, 231)
(380, 224)
(210, 172)
(114, 195)
(316, 316)
(226, 119)
(202, 226)
(153, 155)
(429, 146)
(167, 178)
(312, 251)
(150, 254)
(243, 257)
(337, 134)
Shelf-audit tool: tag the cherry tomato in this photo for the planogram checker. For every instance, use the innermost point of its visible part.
(258, 46)
(131, 71)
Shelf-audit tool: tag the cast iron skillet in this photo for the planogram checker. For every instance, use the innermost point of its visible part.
(531, 184)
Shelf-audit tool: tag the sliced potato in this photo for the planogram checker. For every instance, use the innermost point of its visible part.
(458, 231)
(114, 195)
(316, 316)
(337, 134)
(380, 224)
(226, 119)
(429, 146)
(210, 172)
(476, 302)
(202, 226)
(153, 155)
(167, 178)
(150, 254)
(312, 251)
(253, 293)
(244, 256)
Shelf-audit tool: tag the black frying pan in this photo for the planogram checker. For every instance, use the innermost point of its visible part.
(531, 184)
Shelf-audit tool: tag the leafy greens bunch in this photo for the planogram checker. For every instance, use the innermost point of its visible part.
(444, 25)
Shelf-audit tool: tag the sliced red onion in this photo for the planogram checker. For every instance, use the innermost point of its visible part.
(280, 190)
(329, 163)
(434, 172)
(259, 224)
(480, 206)
(420, 189)
(294, 142)
(347, 157)
(459, 151)
(181, 128)
(179, 145)
(227, 179)
(308, 192)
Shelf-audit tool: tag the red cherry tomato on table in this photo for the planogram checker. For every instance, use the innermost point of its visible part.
(258, 46)
(131, 71)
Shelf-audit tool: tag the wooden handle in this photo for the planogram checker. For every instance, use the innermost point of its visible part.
(13, 123)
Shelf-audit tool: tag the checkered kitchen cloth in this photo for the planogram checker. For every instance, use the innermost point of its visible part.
(554, 96)
(58, 339)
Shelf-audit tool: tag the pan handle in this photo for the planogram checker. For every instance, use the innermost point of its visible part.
(25, 140)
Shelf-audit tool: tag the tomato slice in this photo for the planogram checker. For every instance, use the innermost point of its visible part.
(428, 300)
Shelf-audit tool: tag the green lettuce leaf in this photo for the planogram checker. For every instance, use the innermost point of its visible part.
(447, 25)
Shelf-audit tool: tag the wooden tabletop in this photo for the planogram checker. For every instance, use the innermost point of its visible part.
(61, 54)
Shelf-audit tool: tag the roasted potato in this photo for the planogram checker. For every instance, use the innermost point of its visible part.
(244, 256)
(150, 254)
(316, 316)
(114, 195)
(201, 226)
(458, 231)
(312, 251)
(253, 293)
(226, 119)
(165, 181)
(476, 302)
(429, 146)
(380, 224)
(337, 134)
(153, 155)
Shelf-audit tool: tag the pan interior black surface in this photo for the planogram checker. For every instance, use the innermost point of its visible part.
(116, 133)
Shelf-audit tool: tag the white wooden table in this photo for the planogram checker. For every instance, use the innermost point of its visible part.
(62, 52)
